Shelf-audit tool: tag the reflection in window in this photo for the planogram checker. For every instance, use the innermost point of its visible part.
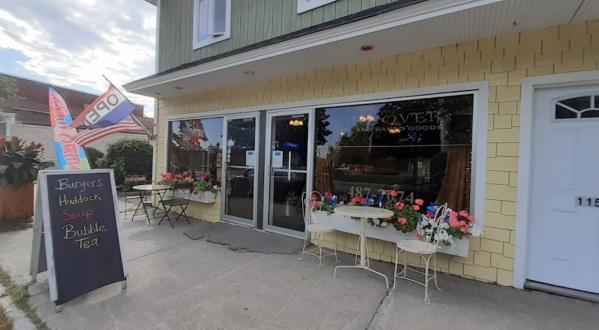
(577, 107)
(421, 148)
(195, 146)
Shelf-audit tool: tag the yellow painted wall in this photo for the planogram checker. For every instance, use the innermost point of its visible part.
(503, 61)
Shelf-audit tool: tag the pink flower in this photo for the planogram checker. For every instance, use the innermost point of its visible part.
(341, 203)
(316, 204)
(419, 202)
(399, 205)
(453, 216)
(463, 223)
(464, 213)
(393, 193)
(402, 221)
(363, 200)
(454, 223)
(389, 218)
(185, 173)
(355, 200)
(470, 218)
(416, 207)
(465, 230)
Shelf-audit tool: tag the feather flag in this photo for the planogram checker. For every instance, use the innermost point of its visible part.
(88, 136)
(70, 155)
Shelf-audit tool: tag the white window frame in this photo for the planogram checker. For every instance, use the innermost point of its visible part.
(305, 5)
(196, 20)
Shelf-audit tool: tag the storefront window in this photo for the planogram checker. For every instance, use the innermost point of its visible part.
(420, 148)
(195, 146)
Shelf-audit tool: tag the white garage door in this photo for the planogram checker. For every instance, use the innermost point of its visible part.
(564, 226)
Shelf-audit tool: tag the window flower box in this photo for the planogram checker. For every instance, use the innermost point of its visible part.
(201, 197)
(389, 234)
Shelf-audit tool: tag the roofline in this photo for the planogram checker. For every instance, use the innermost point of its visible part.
(361, 23)
(154, 2)
(63, 87)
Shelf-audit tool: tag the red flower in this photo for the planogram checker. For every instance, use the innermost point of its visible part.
(416, 207)
(419, 202)
(32, 143)
(314, 197)
(355, 200)
(39, 145)
(429, 214)
(363, 200)
(316, 204)
(393, 193)
(328, 195)
(203, 177)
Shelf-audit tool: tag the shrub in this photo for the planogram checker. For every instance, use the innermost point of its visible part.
(128, 157)
(93, 155)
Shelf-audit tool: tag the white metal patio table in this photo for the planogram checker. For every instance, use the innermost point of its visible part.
(364, 213)
(146, 189)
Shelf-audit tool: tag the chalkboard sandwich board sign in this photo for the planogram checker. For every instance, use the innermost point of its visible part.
(78, 211)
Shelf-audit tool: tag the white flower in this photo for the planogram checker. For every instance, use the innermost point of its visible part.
(475, 230)
(376, 221)
(444, 225)
(384, 224)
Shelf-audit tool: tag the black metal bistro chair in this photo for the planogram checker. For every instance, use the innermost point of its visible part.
(175, 201)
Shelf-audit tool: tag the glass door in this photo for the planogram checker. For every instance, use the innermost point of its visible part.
(239, 164)
(288, 169)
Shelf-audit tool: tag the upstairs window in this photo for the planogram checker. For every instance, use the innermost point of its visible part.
(211, 22)
(305, 5)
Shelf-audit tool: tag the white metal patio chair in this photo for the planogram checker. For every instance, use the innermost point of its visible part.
(319, 229)
(426, 250)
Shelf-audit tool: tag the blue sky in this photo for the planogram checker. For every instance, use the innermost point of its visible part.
(72, 43)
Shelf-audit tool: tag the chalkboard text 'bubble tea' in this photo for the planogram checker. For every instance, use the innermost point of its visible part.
(85, 234)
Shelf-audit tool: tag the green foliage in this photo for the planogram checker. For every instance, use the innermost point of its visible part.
(93, 155)
(8, 88)
(128, 157)
(20, 163)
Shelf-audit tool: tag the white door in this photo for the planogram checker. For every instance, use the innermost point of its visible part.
(564, 226)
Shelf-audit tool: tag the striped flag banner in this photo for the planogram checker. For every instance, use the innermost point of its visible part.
(419, 230)
(88, 136)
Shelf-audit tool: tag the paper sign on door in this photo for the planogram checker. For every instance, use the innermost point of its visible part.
(250, 158)
(277, 159)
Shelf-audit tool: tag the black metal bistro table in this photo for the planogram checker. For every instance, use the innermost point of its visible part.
(147, 189)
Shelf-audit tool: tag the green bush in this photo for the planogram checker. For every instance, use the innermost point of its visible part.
(93, 155)
(128, 157)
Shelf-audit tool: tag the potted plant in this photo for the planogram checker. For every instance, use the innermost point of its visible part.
(19, 165)
(203, 189)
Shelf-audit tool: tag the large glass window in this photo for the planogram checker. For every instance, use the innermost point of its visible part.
(195, 146)
(420, 148)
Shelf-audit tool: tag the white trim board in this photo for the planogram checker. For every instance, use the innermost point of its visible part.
(480, 90)
(529, 86)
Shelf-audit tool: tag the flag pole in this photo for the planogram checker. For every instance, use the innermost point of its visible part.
(132, 116)
(110, 82)
(141, 125)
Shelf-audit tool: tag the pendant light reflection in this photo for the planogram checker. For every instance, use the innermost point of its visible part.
(296, 122)
(394, 131)
(366, 118)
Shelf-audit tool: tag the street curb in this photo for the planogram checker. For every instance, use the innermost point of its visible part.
(20, 321)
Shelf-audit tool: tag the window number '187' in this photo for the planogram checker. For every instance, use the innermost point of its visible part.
(587, 201)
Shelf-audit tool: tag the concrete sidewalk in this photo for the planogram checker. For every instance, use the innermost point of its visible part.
(178, 283)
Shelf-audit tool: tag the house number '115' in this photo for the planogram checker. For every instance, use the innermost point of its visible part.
(587, 201)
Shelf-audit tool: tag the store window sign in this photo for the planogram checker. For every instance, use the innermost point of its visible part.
(250, 158)
(413, 121)
(277, 159)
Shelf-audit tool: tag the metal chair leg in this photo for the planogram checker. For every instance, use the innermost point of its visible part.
(320, 241)
(426, 279)
(335, 249)
(397, 252)
(304, 246)
(435, 270)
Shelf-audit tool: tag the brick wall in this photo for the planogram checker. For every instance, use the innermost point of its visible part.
(503, 61)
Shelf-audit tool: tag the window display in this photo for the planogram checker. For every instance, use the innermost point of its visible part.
(420, 148)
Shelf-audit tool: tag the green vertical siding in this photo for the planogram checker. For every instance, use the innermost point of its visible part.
(252, 21)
